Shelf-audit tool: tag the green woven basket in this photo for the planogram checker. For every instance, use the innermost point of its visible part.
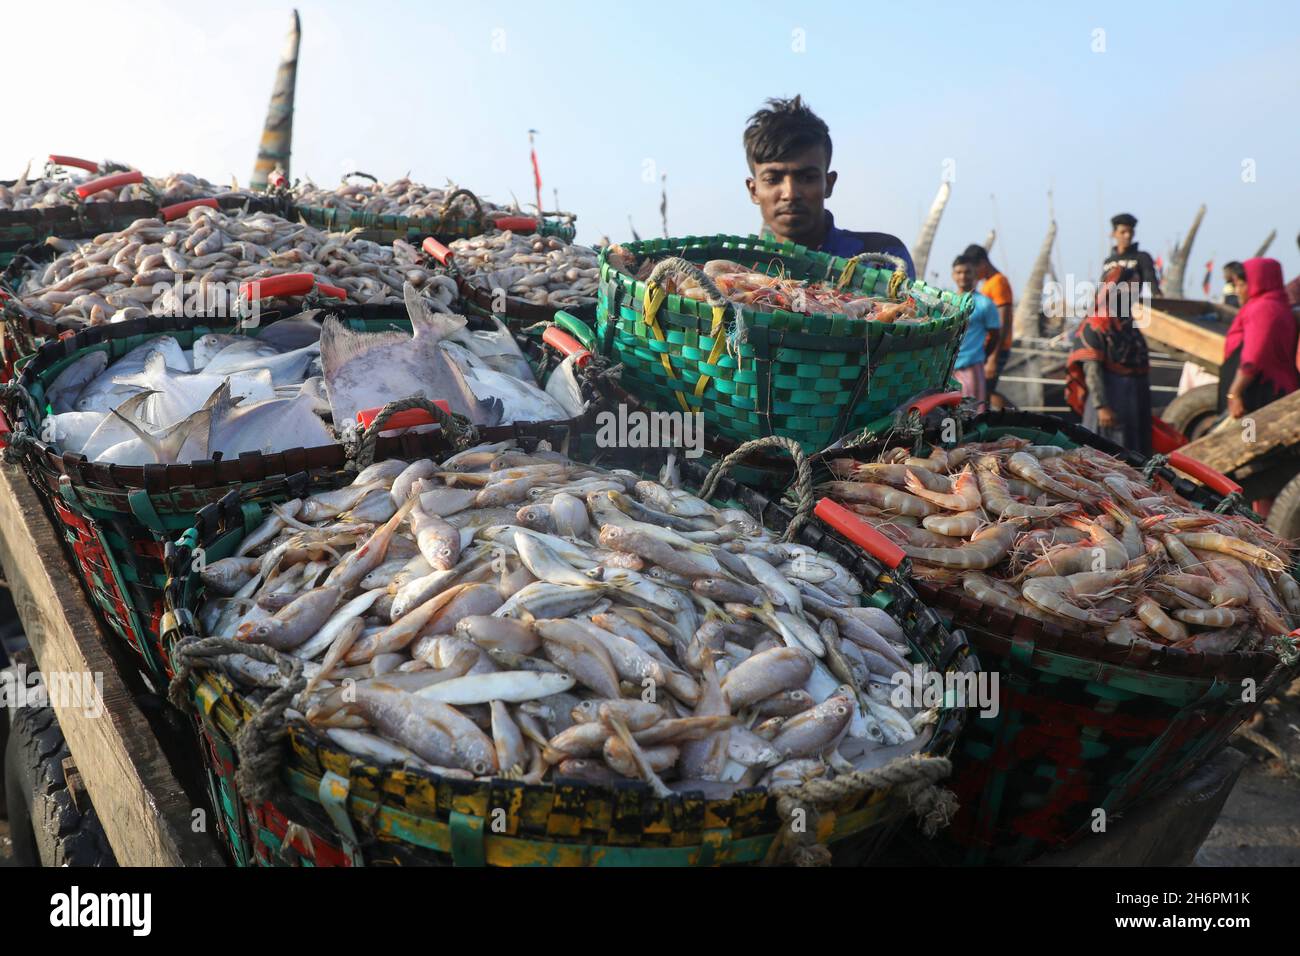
(1084, 729)
(807, 377)
(116, 519)
(448, 226)
(334, 809)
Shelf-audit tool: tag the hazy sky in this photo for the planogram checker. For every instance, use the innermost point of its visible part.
(1145, 107)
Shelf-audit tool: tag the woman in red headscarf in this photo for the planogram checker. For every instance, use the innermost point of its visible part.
(1259, 351)
(1108, 380)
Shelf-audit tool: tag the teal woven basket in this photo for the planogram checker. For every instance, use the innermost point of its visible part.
(812, 378)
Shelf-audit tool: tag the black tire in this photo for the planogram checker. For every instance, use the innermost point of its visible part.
(45, 825)
(1194, 411)
(1284, 517)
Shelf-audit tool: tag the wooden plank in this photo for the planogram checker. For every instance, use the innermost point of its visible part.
(1277, 426)
(1198, 343)
(145, 812)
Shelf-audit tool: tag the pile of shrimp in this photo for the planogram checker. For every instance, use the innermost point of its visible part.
(1080, 539)
(766, 292)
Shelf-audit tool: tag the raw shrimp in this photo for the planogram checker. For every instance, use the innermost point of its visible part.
(1105, 553)
(1235, 547)
(1130, 533)
(996, 498)
(1213, 617)
(1026, 466)
(962, 525)
(986, 549)
(1154, 617)
(890, 499)
(965, 492)
(1055, 595)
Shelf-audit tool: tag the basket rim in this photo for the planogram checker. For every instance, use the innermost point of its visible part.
(956, 652)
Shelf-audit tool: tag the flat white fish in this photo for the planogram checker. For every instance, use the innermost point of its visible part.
(520, 401)
(563, 387)
(497, 348)
(270, 425)
(105, 392)
(68, 385)
(181, 394)
(208, 347)
(159, 447)
(286, 368)
(293, 332)
(369, 369)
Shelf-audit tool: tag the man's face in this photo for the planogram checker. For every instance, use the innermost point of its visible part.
(1123, 236)
(1239, 284)
(792, 193)
(963, 277)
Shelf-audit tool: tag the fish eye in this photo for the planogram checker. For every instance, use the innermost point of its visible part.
(479, 768)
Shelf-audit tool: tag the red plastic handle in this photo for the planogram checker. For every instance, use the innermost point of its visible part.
(437, 250)
(169, 213)
(924, 406)
(406, 419)
(516, 223)
(289, 284)
(859, 532)
(85, 164)
(110, 182)
(1214, 480)
(558, 339)
(276, 180)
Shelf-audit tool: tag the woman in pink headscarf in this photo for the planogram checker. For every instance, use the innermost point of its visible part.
(1259, 351)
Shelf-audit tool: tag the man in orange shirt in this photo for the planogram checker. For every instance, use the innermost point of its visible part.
(994, 285)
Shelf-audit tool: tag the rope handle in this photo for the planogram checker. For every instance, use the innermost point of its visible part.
(461, 433)
(896, 281)
(346, 176)
(802, 479)
(257, 742)
(446, 206)
(681, 268)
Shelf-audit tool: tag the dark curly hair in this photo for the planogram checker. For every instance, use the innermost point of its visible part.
(782, 128)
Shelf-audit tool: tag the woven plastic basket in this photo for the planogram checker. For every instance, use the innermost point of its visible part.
(452, 222)
(23, 247)
(333, 809)
(1084, 729)
(117, 519)
(753, 373)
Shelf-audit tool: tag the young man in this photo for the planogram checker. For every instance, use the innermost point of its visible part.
(790, 178)
(1126, 255)
(995, 286)
(1234, 283)
(981, 334)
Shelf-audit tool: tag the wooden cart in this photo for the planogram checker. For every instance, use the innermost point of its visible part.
(133, 781)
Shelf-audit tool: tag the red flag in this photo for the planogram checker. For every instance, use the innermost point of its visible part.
(1160, 266)
(1209, 273)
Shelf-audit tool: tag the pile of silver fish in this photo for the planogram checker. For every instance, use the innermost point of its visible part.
(517, 614)
(543, 270)
(1080, 539)
(230, 394)
(401, 197)
(204, 256)
(46, 192)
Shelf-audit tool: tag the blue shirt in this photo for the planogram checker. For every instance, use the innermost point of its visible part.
(983, 319)
(846, 245)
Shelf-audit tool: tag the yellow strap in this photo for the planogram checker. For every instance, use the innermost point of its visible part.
(655, 296)
(718, 334)
(895, 282)
(847, 275)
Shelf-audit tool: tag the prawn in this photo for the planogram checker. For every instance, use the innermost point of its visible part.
(1182, 556)
(961, 525)
(1026, 466)
(890, 499)
(1105, 553)
(997, 500)
(965, 494)
(1130, 533)
(984, 550)
(1213, 642)
(1234, 547)
(1056, 595)
(988, 590)
(1213, 617)
(1153, 616)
